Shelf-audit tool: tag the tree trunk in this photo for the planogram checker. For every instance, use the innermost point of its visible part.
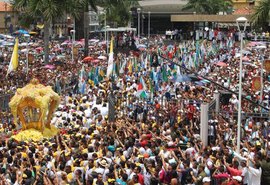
(46, 40)
(79, 26)
(86, 31)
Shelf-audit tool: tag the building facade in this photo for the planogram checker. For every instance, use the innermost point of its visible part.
(168, 15)
(8, 18)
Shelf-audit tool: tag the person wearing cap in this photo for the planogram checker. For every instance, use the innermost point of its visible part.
(206, 181)
(102, 168)
(235, 180)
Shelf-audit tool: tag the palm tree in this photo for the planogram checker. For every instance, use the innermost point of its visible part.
(261, 15)
(199, 6)
(216, 6)
(48, 10)
(82, 22)
(117, 11)
(208, 6)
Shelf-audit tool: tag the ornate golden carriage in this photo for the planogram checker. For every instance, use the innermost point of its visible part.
(34, 104)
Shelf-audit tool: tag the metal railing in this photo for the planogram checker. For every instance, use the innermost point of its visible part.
(4, 100)
(262, 115)
(212, 109)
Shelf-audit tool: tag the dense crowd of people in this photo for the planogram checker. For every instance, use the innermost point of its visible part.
(155, 135)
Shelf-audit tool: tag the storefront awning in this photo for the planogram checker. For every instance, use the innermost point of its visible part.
(207, 18)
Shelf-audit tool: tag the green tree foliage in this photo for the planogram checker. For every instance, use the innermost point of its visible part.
(48, 10)
(261, 15)
(208, 6)
(118, 12)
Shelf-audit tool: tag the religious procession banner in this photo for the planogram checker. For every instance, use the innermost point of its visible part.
(256, 83)
(267, 65)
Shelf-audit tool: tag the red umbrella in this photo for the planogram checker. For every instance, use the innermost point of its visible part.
(221, 64)
(92, 61)
(39, 48)
(88, 58)
(48, 66)
(95, 61)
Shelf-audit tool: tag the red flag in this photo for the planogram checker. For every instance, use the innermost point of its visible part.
(170, 55)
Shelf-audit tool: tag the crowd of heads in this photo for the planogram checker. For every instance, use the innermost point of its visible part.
(151, 139)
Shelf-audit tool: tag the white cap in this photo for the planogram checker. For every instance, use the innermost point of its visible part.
(206, 179)
(238, 178)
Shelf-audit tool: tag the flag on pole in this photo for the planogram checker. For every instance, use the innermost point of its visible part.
(122, 69)
(130, 67)
(14, 61)
(82, 81)
(141, 89)
(143, 83)
(110, 61)
(91, 76)
(82, 73)
(151, 89)
(96, 79)
(164, 74)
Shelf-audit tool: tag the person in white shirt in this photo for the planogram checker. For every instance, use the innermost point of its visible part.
(254, 173)
(244, 172)
(104, 110)
(234, 102)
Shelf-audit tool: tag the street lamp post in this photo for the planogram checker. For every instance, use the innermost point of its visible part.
(27, 55)
(143, 23)
(107, 39)
(106, 30)
(130, 21)
(139, 18)
(72, 32)
(149, 19)
(238, 21)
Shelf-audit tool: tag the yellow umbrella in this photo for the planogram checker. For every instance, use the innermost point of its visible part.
(33, 33)
(40, 26)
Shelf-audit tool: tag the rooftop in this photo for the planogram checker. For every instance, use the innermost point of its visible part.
(5, 6)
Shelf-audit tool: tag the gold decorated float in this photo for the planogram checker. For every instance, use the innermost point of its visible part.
(34, 105)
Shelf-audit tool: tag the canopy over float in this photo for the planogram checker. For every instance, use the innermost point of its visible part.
(34, 104)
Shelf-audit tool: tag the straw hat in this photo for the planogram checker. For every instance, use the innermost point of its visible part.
(103, 162)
